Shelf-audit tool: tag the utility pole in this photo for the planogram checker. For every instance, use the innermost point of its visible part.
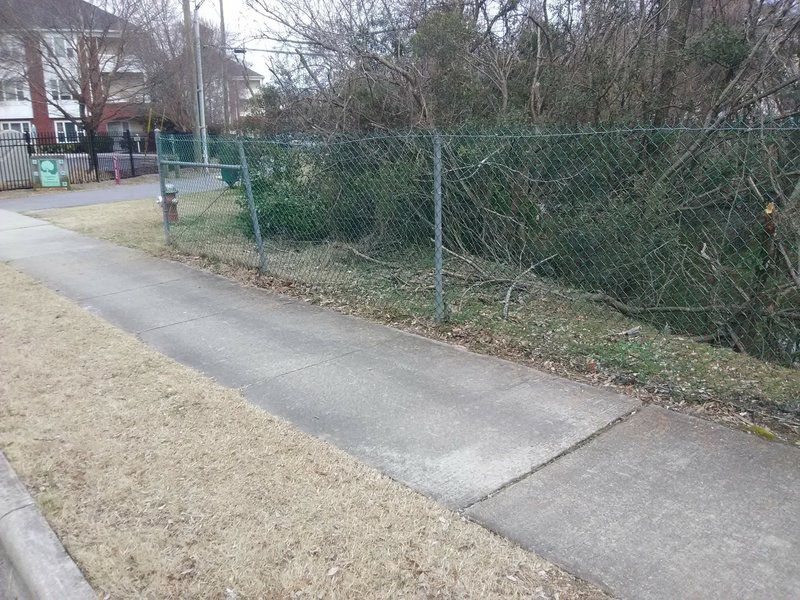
(201, 96)
(225, 107)
(189, 49)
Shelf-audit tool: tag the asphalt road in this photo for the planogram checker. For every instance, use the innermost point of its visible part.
(112, 193)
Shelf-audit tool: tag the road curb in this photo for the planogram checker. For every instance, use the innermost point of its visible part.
(33, 563)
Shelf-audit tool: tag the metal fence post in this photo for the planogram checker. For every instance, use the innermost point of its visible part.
(94, 163)
(438, 309)
(163, 187)
(29, 143)
(248, 189)
(129, 141)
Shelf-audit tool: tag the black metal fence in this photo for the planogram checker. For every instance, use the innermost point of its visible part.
(90, 157)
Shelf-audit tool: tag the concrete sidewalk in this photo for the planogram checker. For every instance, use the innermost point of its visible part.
(646, 503)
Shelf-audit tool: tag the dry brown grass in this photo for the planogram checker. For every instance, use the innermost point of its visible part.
(163, 484)
(135, 223)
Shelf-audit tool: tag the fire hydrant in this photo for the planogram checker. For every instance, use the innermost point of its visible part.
(169, 203)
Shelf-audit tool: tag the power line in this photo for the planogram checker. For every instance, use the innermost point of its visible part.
(243, 50)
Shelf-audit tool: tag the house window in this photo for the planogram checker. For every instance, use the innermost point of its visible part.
(21, 126)
(11, 49)
(58, 90)
(67, 131)
(62, 48)
(118, 127)
(12, 89)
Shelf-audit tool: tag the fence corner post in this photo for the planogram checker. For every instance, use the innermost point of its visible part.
(248, 190)
(162, 186)
(438, 309)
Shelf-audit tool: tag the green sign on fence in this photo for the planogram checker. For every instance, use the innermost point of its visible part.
(50, 172)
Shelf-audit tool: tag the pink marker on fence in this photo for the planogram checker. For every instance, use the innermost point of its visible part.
(115, 159)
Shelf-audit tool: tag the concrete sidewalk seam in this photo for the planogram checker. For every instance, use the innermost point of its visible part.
(42, 224)
(133, 289)
(31, 503)
(574, 448)
(303, 368)
(201, 317)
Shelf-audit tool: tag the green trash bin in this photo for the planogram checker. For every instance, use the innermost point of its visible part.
(230, 176)
(227, 151)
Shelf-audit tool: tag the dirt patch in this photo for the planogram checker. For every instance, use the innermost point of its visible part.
(546, 327)
(162, 484)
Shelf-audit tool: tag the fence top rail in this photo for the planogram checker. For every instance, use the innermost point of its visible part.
(304, 140)
(545, 132)
(180, 163)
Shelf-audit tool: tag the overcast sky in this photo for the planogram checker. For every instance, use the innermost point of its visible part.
(240, 24)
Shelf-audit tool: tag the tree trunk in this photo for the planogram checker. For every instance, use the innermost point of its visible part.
(677, 28)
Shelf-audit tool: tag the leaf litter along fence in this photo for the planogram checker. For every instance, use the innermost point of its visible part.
(694, 231)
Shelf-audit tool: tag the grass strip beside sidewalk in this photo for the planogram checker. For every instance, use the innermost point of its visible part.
(163, 484)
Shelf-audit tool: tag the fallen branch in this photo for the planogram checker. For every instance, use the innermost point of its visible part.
(719, 272)
(397, 267)
(475, 285)
(628, 310)
(737, 343)
(706, 339)
(471, 263)
(457, 275)
(792, 273)
(370, 259)
(628, 333)
(516, 281)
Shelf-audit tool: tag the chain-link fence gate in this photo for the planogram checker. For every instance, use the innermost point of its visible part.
(208, 208)
(693, 231)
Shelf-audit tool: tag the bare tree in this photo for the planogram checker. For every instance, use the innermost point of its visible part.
(75, 55)
(380, 63)
(169, 64)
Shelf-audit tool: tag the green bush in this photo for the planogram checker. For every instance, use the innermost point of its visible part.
(286, 203)
(607, 210)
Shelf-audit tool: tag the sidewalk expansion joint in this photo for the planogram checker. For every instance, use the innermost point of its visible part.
(303, 368)
(44, 224)
(157, 327)
(13, 510)
(576, 446)
(133, 289)
(316, 364)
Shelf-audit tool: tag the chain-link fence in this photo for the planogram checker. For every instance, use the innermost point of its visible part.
(693, 231)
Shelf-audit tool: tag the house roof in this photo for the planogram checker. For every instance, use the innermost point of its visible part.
(237, 69)
(235, 66)
(58, 15)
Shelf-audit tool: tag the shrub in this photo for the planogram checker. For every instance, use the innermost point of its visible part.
(606, 210)
(286, 203)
